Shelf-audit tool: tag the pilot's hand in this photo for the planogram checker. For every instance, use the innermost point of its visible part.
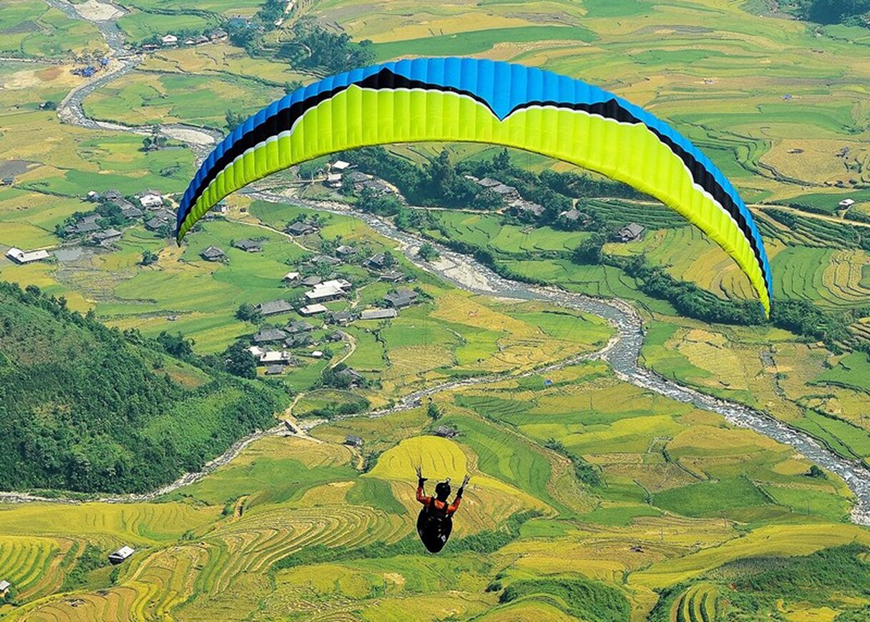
(465, 481)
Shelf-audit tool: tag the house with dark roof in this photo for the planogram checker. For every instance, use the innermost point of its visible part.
(158, 221)
(377, 186)
(131, 212)
(106, 237)
(298, 340)
(300, 228)
(88, 224)
(445, 431)
(296, 327)
(377, 262)
(353, 441)
(340, 318)
(392, 276)
(312, 280)
(575, 215)
(527, 208)
(269, 335)
(345, 250)
(630, 233)
(275, 370)
(318, 260)
(249, 246)
(353, 377)
(213, 253)
(401, 298)
(274, 307)
(357, 178)
(508, 193)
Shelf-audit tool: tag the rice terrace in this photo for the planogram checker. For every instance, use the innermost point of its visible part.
(231, 350)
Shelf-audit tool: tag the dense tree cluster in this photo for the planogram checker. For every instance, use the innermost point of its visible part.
(804, 318)
(834, 11)
(315, 48)
(584, 599)
(689, 299)
(583, 470)
(88, 408)
(436, 183)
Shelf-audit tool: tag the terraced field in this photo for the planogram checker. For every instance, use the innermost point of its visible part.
(588, 495)
(697, 604)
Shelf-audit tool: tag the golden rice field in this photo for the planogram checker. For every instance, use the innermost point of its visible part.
(208, 551)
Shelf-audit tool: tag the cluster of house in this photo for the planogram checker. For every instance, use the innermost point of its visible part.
(443, 431)
(509, 195)
(152, 207)
(269, 344)
(171, 41)
(340, 171)
(90, 70)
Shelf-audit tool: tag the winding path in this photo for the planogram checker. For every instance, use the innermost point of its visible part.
(621, 352)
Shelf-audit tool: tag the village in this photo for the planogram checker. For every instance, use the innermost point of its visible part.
(322, 290)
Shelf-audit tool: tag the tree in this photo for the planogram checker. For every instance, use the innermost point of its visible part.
(347, 187)
(427, 252)
(502, 161)
(815, 471)
(487, 200)
(590, 250)
(291, 86)
(233, 119)
(308, 170)
(239, 361)
(249, 313)
(148, 258)
(176, 345)
(433, 411)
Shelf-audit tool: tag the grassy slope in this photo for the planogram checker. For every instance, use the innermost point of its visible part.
(84, 409)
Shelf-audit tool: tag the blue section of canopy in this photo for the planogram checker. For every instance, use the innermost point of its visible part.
(503, 87)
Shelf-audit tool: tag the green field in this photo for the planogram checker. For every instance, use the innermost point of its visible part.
(29, 28)
(475, 42)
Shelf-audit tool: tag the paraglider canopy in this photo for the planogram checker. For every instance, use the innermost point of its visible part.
(474, 100)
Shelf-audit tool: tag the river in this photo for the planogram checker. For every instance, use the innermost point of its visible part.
(621, 353)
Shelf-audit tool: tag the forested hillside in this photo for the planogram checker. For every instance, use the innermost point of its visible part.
(833, 11)
(88, 408)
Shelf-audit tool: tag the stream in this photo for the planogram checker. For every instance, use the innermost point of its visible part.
(621, 353)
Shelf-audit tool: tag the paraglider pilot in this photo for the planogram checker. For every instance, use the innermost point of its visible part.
(435, 521)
